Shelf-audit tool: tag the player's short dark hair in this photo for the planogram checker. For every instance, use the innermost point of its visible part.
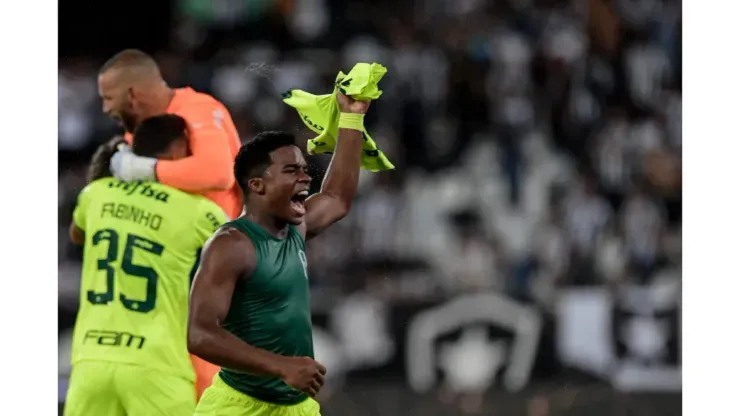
(100, 163)
(254, 156)
(129, 58)
(154, 135)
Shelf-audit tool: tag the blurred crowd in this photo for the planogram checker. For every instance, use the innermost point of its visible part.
(538, 142)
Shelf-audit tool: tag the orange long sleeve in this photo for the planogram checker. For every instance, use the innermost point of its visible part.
(214, 143)
(210, 168)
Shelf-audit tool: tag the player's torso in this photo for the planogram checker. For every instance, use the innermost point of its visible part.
(271, 310)
(137, 262)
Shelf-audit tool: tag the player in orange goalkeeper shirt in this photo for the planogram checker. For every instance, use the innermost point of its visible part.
(132, 89)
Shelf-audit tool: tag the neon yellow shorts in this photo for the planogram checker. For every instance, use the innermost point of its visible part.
(115, 389)
(220, 399)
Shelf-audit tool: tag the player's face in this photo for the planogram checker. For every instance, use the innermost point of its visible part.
(286, 184)
(117, 100)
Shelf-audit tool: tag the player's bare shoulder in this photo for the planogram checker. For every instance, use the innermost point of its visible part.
(228, 239)
(230, 249)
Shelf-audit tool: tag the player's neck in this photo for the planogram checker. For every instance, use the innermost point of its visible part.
(161, 97)
(277, 228)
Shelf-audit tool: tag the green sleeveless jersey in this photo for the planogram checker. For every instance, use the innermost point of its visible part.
(142, 242)
(270, 310)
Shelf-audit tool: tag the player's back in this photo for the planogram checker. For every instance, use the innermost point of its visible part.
(187, 99)
(142, 244)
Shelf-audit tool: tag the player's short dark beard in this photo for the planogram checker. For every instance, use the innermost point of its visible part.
(129, 122)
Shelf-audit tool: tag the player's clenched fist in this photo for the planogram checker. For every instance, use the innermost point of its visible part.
(304, 374)
(350, 105)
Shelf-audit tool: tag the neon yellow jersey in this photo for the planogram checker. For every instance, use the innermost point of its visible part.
(142, 245)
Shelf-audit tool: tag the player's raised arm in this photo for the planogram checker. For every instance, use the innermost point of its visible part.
(210, 167)
(339, 188)
(228, 257)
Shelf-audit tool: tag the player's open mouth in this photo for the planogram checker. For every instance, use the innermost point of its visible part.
(297, 201)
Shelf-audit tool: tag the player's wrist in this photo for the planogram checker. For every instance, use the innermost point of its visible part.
(352, 121)
(144, 168)
(278, 367)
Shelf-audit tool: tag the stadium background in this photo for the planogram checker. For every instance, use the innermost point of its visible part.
(538, 146)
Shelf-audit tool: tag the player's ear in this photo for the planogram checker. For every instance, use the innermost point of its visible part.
(256, 185)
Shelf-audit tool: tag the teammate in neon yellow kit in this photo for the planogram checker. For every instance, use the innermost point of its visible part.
(142, 243)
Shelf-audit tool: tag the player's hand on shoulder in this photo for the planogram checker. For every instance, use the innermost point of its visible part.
(127, 166)
(303, 373)
(349, 105)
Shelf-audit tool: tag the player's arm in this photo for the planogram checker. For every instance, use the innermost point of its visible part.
(79, 215)
(226, 258)
(210, 167)
(76, 234)
(77, 226)
(339, 188)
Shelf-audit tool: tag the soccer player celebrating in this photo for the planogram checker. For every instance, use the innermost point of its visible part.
(249, 306)
(141, 246)
(132, 89)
